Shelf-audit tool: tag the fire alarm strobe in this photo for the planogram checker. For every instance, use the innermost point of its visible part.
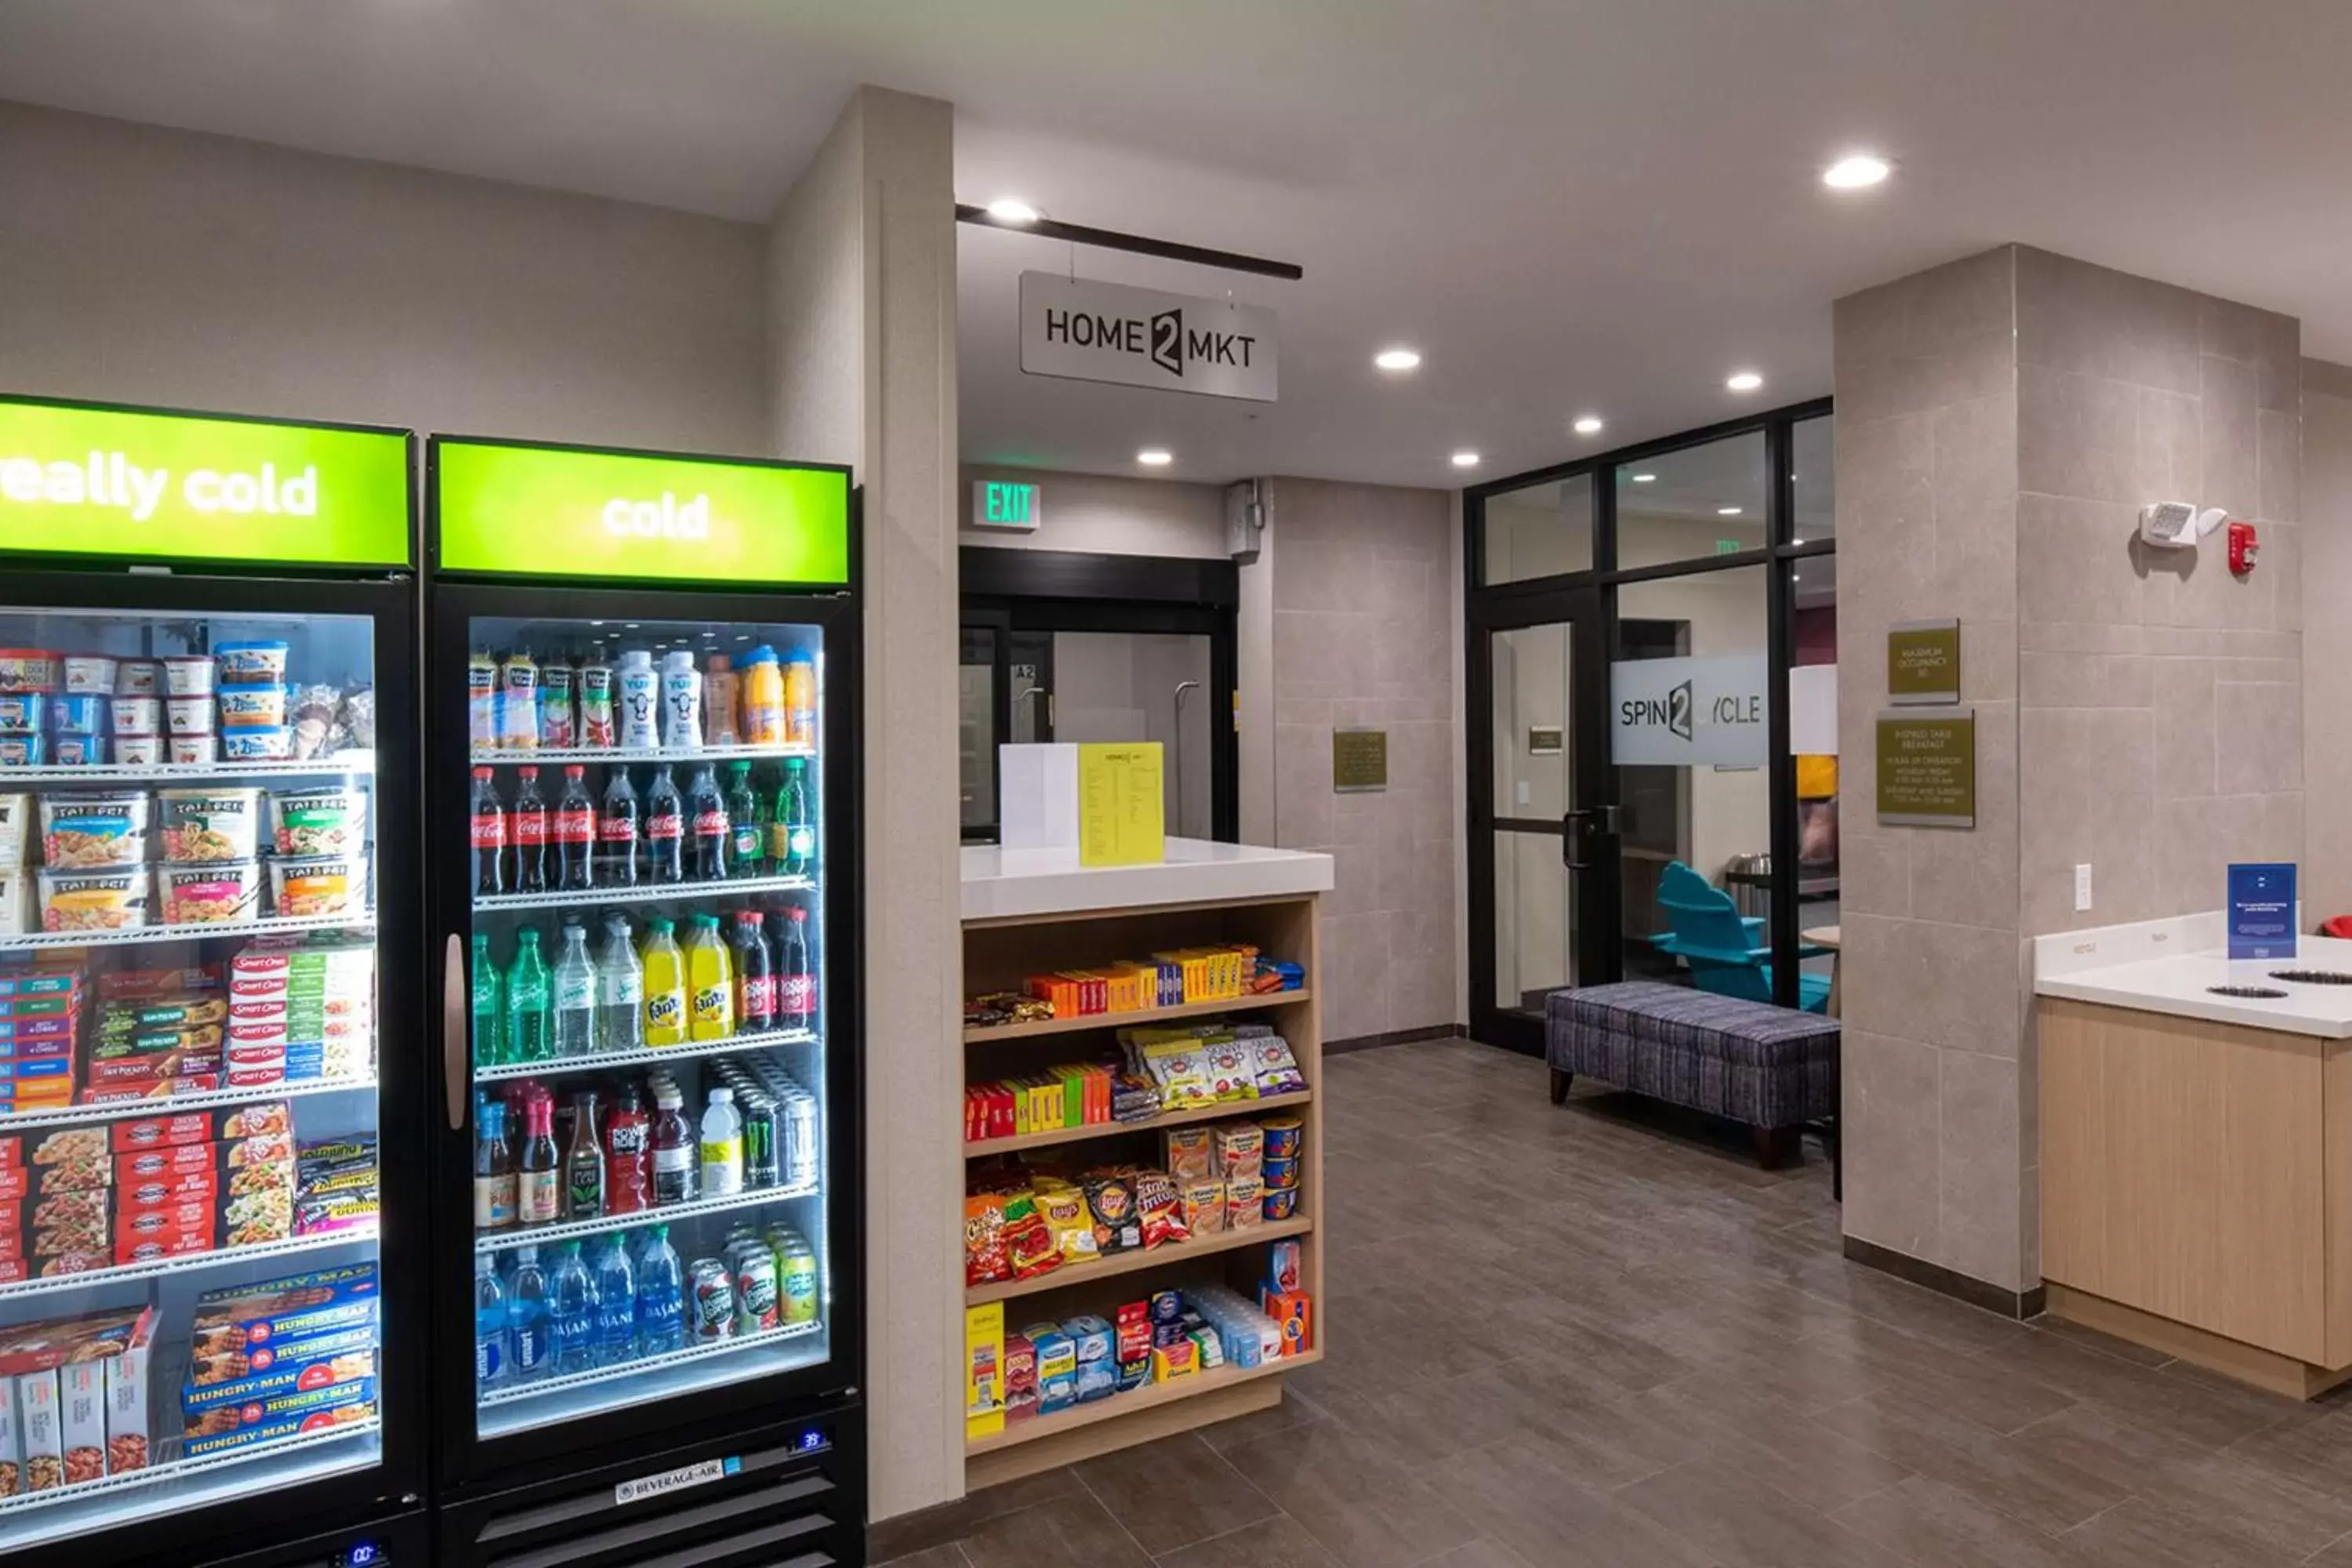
(2176, 526)
(2242, 546)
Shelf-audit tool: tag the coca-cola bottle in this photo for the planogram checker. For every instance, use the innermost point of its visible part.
(665, 829)
(796, 975)
(530, 832)
(489, 815)
(709, 836)
(575, 831)
(617, 833)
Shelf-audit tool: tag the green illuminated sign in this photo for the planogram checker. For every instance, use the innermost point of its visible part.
(1006, 503)
(556, 511)
(81, 480)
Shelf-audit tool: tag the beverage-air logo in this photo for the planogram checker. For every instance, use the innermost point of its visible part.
(1136, 337)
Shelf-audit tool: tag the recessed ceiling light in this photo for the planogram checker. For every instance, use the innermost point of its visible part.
(1155, 456)
(1646, 479)
(1795, 539)
(1398, 359)
(1587, 425)
(1856, 173)
(1466, 458)
(1012, 209)
(1744, 381)
(1726, 511)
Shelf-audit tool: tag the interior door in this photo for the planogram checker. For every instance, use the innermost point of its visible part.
(1543, 862)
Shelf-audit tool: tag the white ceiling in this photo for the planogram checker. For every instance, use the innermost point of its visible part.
(1568, 205)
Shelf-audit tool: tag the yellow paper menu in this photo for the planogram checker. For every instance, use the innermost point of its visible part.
(1122, 818)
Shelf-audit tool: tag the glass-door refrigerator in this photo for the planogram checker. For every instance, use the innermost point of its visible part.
(640, 709)
(213, 1276)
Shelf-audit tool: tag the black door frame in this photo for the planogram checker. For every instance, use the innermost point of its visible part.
(1018, 589)
(1490, 606)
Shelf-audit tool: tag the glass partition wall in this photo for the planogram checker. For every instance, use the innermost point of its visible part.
(1651, 635)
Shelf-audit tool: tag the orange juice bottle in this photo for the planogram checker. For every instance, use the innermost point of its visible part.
(800, 702)
(763, 687)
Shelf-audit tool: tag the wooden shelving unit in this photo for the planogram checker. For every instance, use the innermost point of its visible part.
(999, 955)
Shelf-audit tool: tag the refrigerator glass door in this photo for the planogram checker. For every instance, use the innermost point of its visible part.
(644, 863)
(189, 1288)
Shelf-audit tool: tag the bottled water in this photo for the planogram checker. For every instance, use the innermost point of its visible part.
(661, 1295)
(620, 991)
(492, 1338)
(527, 1316)
(572, 1312)
(617, 1304)
(575, 997)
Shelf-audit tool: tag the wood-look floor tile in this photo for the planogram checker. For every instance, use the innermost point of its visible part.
(1519, 1497)
(1068, 1532)
(1277, 1543)
(1743, 1523)
(2044, 1492)
(1174, 1492)
(1933, 1525)
(1367, 1507)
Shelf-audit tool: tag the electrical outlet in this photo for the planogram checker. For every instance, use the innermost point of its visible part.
(2082, 888)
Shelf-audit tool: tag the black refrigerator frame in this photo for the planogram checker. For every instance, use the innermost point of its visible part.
(364, 1503)
(468, 1468)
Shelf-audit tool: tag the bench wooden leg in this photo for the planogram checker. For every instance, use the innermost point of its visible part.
(1778, 1146)
(1560, 1082)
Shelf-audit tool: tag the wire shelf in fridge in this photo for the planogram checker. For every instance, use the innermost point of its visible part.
(494, 756)
(199, 932)
(132, 1110)
(498, 1241)
(704, 1350)
(190, 773)
(188, 1263)
(175, 1470)
(645, 1056)
(643, 893)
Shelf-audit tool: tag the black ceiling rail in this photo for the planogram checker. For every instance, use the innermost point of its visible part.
(1141, 245)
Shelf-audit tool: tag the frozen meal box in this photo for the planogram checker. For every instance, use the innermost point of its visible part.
(355, 1363)
(153, 1164)
(80, 832)
(39, 1428)
(199, 1448)
(235, 1370)
(127, 1433)
(82, 1423)
(173, 1012)
(295, 1405)
(209, 825)
(154, 1089)
(40, 1005)
(289, 1307)
(12, 1469)
(220, 893)
(112, 899)
(157, 1192)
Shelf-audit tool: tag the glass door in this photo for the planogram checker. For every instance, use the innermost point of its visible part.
(1541, 860)
(644, 867)
(197, 1304)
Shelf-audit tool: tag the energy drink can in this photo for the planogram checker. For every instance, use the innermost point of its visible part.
(763, 1164)
(714, 1300)
(800, 1138)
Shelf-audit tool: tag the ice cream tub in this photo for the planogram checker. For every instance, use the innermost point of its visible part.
(252, 707)
(221, 893)
(83, 832)
(28, 670)
(188, 751)
(23, 712)
(244, 663)
(318, 885)
(188, 675)
(78, 715)
(23, 751)
(111, 900)
(90, 673)
(318, 821)
(77, 750)
(138, 715)
(137, 751)
(204, 826)
(261, 744)
(139, 677)
(185, 715)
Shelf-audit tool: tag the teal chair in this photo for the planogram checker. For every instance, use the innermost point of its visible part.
(1726, 951)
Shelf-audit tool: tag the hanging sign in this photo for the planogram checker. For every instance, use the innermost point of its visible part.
(572, 512)
(1675, 713)
(81, 479)
(1923, 662)
(1085, 331)
(1928, 769)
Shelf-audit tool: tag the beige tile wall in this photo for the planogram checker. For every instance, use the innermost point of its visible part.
(2000, 421)
(1362, 618)
(2325, 560)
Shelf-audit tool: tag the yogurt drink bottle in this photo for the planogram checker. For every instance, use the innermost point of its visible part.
(681, 702)
(639, 697)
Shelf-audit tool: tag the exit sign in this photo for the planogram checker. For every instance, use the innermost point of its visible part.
(1000, 503)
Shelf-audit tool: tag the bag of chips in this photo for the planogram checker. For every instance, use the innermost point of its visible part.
(1176, 1067)
(1069, 1220)
(1159, 1209)
(985, 1261)
(1112, 1202)
(1231, 1068)
(1276, 1069)
(1028, 1246)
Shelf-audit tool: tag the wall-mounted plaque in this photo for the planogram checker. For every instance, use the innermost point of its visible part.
(1928, 769)
(1359, 761)
(1923, 662)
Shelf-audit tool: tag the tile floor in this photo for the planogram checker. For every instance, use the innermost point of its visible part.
(1591, 1335)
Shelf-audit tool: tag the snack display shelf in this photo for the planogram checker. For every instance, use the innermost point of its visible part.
(1130, 1262)
(644, 1055)
(1140, 1018)
(186, 772)
(1216, 1113)
(131, 1109)
(660, 1213)
(706, 1349)
(1133, 1401)
(188, 1263)
(204, 931)
(492, 756)
(177, 1472)
(642, 893)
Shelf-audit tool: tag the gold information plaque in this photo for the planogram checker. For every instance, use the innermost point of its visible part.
(1928, 769)
(1923, 662)
(1359, 761)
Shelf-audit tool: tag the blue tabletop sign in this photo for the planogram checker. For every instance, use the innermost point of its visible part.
(2262, 910)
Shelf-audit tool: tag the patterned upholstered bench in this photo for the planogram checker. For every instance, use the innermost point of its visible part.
(1771, 1068)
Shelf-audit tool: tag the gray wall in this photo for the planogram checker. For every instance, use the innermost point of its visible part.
(2000, 421)
(1363, 613)
(151, 266)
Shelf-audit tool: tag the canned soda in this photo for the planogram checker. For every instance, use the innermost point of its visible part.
(755, 1288)
(714, 1300)
(764, 1164)
(797, 1261)
(800, 1138)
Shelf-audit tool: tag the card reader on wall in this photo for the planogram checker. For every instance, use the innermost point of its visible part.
(2176, 526)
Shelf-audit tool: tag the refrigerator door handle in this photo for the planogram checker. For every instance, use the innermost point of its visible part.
(454, 1000)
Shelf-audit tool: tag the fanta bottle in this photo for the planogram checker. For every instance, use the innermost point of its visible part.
(763, 698)
(709, 982)
(666, 1016)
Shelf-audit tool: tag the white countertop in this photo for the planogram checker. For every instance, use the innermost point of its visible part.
(2110, 966)
(999, 882)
